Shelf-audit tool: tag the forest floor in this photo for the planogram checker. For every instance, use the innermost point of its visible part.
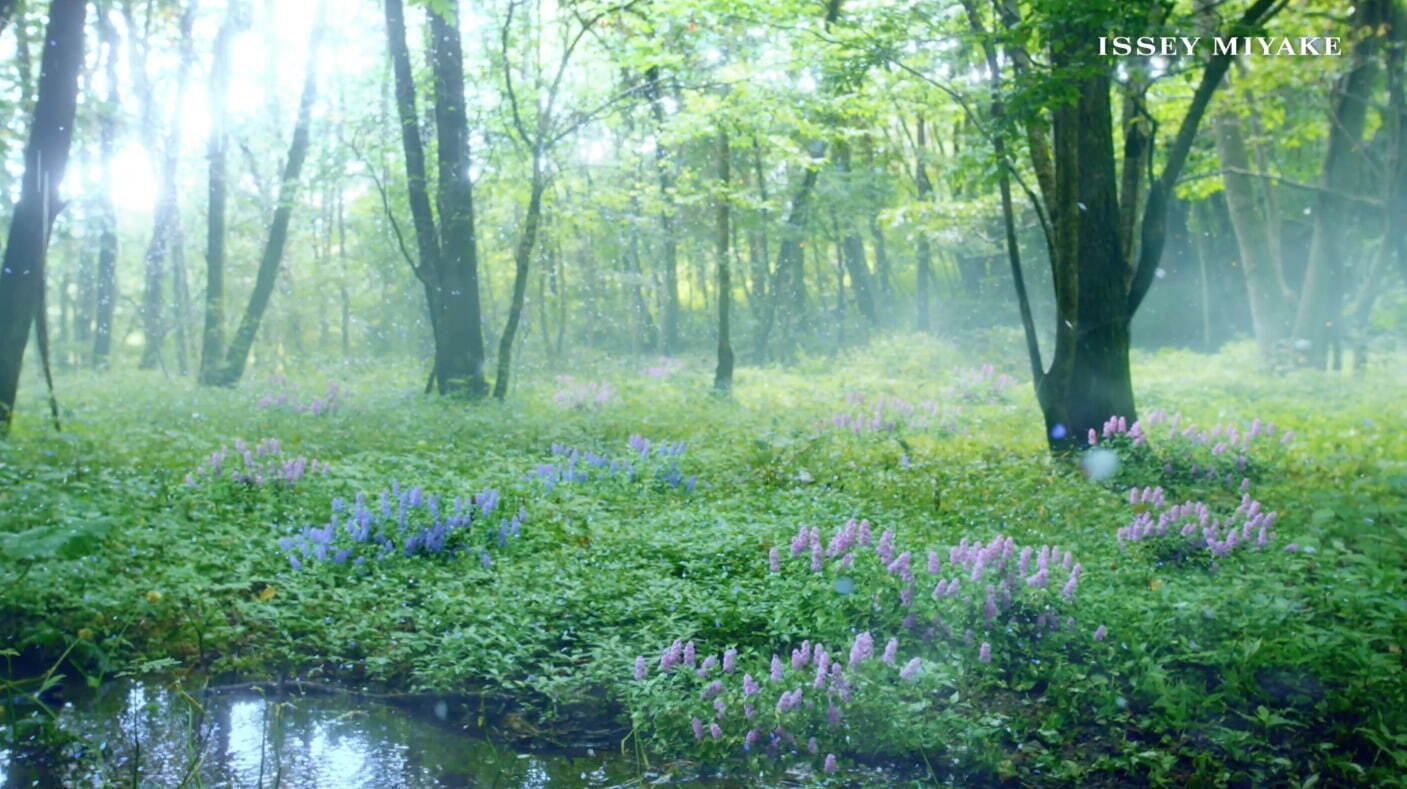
(538, 561)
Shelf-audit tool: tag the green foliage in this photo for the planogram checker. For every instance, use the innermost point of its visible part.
(1270, 667)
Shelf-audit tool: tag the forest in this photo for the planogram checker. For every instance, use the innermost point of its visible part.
(410, 393)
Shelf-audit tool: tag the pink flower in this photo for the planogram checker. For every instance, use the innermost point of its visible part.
(891, 651)
(750, 686)
(910, 670)
(862, 649)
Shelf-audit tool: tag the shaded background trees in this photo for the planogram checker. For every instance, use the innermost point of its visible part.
(757, 182)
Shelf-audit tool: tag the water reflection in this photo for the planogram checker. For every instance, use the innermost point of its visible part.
(138, 734)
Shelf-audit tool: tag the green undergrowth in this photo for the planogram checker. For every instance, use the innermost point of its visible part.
(1264, 666)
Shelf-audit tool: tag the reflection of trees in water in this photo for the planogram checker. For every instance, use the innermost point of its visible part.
(146, 734)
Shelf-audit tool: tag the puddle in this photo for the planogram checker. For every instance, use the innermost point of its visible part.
(147, 734)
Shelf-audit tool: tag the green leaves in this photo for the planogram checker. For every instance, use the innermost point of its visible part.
(63, 541)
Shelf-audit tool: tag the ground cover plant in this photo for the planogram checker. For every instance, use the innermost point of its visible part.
(956, 605)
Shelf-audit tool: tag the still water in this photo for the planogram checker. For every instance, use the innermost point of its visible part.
(147, 734)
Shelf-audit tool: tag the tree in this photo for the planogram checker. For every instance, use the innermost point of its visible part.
(723, 374)
(539, 133)
(1319, 319)
(212, 340)
(448, 259)
(45, 159)
(1098, 288)
(237, 355)
(105, 296)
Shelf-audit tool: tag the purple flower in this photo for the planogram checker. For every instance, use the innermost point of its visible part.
(831, 766)
(671, 656)
(934, 563)
(718, 707)
(698, 728)
(715, 731)
(750, 686)
(641, 668)
(906, 596)
(708, 664)
(750, 739)
(832, 714)
(774, 561)
(891, 651)
(1100, 632)
(777, 669)
(689, 654)
(711, 690)
(885, 549)
(862, 649)
(817, 560)
(811, 745)
(730, 660)
(900, 566)
(984, 653)
(910, 670)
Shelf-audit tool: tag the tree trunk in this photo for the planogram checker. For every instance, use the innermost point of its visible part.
(1253, 233)
(154, 260)
(763, 280)
(459, 356)
(852, 248)
(106, 295)
(417, 183)
(522, 256)
(212, 338)
(237, 356)
(1089, 379)
(922, 319)
(45, 158)
(788, 301)
(180, 287)
(723, 374)
(664, 165)
(1319, 317)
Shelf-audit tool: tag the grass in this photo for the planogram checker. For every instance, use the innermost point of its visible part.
(1263, 666)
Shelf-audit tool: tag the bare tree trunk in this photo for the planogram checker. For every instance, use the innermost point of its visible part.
(723, 374)
(1319, 318)
(522, 256)
(664, 165)
(212, 339)
(237, 356)
(180, 287)
(1253, 233)
(460, 355)
(153, 298)
(106, 296)
(923, 320)
(45, 159)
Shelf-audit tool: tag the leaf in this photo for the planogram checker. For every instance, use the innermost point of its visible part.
(53, 542)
